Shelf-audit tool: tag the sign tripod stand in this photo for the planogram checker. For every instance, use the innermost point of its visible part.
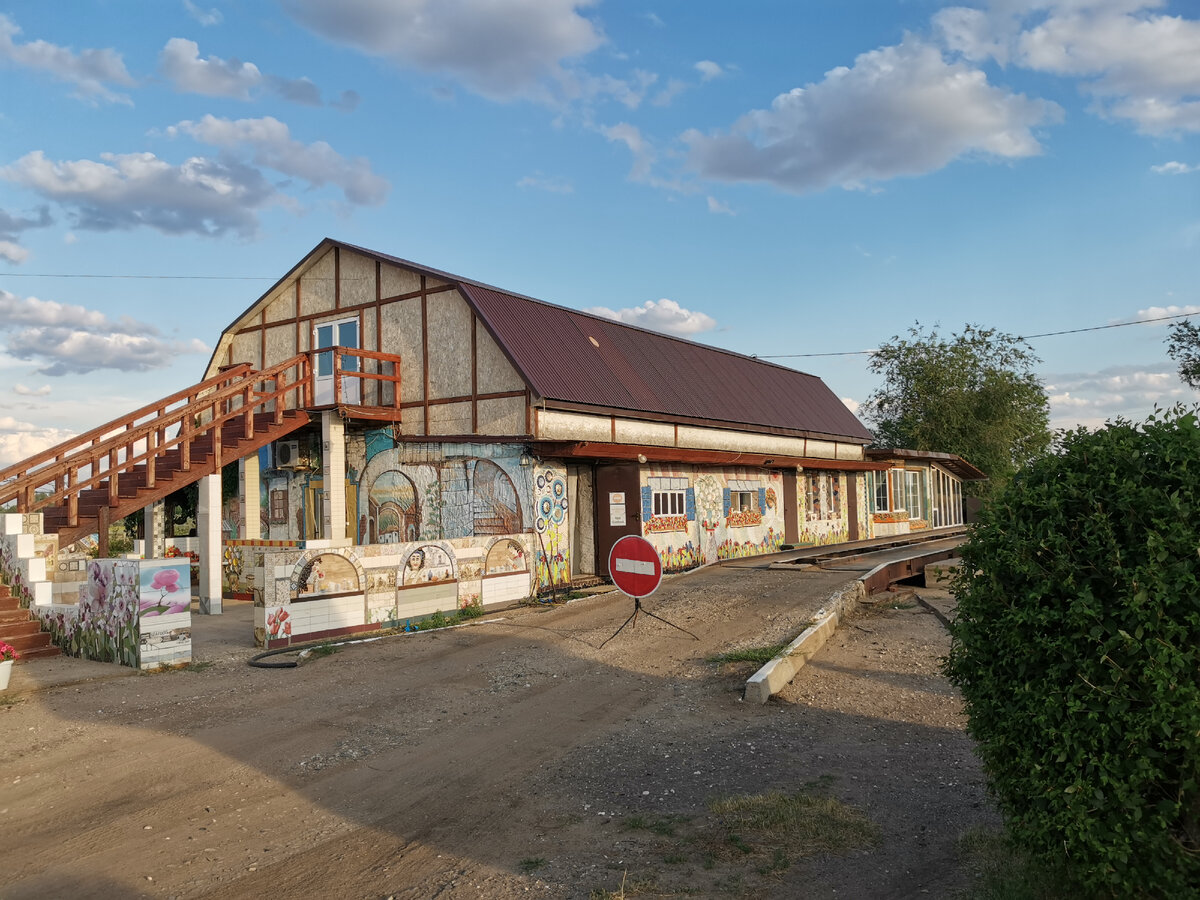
(636, 570)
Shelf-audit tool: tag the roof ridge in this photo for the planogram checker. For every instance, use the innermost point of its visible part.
(580, 312)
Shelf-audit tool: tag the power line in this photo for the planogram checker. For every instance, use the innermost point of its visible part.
(164, 277)
(1026, 337)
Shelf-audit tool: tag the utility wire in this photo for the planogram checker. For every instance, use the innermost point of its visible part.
(1026, 337)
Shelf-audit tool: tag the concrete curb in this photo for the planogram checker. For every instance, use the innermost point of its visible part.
(772, 677)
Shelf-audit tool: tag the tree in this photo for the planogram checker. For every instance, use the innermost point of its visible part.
(974, 394)
(1183, 346)
(1076, 645)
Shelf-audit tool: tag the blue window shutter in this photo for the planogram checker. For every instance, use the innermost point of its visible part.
(762, 500)
(689, 500)
(647, 504)
(728, 502)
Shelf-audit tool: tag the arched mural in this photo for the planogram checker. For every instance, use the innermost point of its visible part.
(427, 581)
(496, 508)
(506, 575)
(393, 509)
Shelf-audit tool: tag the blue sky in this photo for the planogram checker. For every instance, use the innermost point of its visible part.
(777, 178)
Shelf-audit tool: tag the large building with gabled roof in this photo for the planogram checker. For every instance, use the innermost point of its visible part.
(489, 445)
(409, 441)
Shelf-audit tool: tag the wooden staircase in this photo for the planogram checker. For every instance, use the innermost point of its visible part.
(19, 628)
(84, 484)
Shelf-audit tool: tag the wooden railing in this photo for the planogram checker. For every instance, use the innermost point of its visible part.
(105, 453)
(342, 374)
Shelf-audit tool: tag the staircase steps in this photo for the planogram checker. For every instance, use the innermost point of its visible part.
(19, 628)
(133, 493)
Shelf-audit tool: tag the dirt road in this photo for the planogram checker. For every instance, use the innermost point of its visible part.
(507, 759)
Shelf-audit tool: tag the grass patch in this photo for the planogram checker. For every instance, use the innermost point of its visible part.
(663, 826)
(802, 822)
(327, 648)
(758, 655)
(1003, 872)
(530, 864)
(10, 701)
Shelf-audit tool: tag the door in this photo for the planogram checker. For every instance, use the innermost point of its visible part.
(343, 333)
(791, 508)
(581, 501)
(618, 508)
(852, 504)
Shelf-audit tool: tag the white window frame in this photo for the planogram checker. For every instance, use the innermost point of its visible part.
(912, 492)
(669, 496)
(879, 479)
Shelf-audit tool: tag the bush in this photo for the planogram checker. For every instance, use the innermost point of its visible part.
(1077, 649)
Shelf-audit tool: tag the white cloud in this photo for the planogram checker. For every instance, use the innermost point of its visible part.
(21, 440)
(901, 110)
(709, 70)
(1091, 398)
(90, 71)
(272, 146)
(1140, 66)
(497, 48)
(181, 63)
(851, 404)
(1174, 168)
(654, 19)
(555, 184)
(1161, 312)
(660, 315)
(13, 252)
(10, 230)
(673, 88)
(205, 17)
(716, 206)
(64, 339)
(123, 191)
(44, 391)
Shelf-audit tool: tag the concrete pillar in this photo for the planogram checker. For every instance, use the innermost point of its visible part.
(208, 529)
(154, 518)
(248, 484)
(333, 470)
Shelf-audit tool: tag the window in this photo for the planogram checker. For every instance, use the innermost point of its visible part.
(823, 493)
(668, 496)
(741, 501)
(879, 491)
(279, 507)
(912, 494)
(669, 503)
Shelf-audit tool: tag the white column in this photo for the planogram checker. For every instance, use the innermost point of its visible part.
(154, 521)
(248, 478)
(208, 529)
(333, 470)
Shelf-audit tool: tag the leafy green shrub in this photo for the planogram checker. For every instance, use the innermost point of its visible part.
(1077, 648)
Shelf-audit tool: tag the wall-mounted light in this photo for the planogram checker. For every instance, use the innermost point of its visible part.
(642, 458)
(526, 460)
(767, 462)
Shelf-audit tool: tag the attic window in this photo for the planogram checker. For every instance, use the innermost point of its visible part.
(595, 343)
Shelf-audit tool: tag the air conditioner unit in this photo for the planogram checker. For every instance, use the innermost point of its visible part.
(287, 454)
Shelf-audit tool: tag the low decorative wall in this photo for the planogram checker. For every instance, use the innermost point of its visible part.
(134, 612)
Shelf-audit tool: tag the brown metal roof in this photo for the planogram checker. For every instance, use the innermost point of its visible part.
(951, 462)
(575, 358)
(578, 358)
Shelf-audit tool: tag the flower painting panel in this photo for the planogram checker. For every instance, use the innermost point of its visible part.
(165, 587)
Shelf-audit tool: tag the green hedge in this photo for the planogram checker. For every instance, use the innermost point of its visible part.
(1077, 649)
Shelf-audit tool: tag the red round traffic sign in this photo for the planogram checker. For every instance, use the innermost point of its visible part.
(634, 566)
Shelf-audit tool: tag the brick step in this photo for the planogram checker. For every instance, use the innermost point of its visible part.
(30, 641)
(45, 652)
(11, 631)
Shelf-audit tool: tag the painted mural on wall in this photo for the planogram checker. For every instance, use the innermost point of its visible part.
(695, 517)
(132, 612)
(823, 514)
(552, 527)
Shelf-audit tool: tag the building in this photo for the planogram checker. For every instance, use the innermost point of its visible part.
(411, 441)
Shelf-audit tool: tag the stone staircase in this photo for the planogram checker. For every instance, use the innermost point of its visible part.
(19, 628)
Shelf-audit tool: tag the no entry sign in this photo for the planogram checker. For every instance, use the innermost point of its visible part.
(634, 566)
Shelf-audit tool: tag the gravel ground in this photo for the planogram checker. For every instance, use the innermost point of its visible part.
(515, 758)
